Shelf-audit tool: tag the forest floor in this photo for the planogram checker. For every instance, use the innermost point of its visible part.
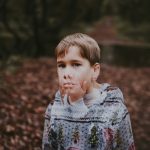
(26, 92)
(27, 86)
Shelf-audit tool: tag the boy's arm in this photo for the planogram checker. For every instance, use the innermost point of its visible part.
(124, 136)
(45, 141)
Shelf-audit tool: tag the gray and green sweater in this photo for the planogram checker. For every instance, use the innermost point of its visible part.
(99, 124)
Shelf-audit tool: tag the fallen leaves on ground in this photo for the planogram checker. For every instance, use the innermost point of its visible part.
(25, 94)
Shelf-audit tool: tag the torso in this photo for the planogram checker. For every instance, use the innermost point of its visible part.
(80, 127)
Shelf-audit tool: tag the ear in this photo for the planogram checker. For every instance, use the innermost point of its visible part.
(96, 71)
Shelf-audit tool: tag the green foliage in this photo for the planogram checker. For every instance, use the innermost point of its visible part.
(34, 27)
(140, 32)
(134, 11)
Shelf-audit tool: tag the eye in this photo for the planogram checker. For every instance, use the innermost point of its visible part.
(61, 65)
(76, 65)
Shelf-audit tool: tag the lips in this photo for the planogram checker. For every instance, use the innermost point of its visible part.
(68, 84)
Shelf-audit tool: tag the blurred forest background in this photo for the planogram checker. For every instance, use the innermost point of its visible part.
(29, 32)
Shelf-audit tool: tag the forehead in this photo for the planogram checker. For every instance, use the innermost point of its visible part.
(72, 52)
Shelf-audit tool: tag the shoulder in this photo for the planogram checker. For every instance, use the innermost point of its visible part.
(114, 93)
(48, 111)
(49, 107)
(115, 101)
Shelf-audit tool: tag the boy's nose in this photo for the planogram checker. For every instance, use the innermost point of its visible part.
(67, 74)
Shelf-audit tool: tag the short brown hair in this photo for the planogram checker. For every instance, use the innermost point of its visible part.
(89, 48)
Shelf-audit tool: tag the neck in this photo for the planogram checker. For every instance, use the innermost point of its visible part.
(94, 85)
(97, 85)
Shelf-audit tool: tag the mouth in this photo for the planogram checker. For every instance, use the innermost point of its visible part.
(68, 84)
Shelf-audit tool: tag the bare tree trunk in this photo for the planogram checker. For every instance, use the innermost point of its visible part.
(32, 11)
(44, 12)
(5, 20)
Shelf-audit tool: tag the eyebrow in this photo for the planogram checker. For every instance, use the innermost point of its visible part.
(72, 61)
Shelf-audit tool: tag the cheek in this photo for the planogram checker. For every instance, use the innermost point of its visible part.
(60, 76)
(59, 73)
(83, 76)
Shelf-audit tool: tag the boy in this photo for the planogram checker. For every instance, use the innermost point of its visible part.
(85, 115)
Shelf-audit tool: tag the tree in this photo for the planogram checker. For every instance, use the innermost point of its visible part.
(36, 26)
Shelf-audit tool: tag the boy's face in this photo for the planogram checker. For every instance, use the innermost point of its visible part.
(72, 69)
